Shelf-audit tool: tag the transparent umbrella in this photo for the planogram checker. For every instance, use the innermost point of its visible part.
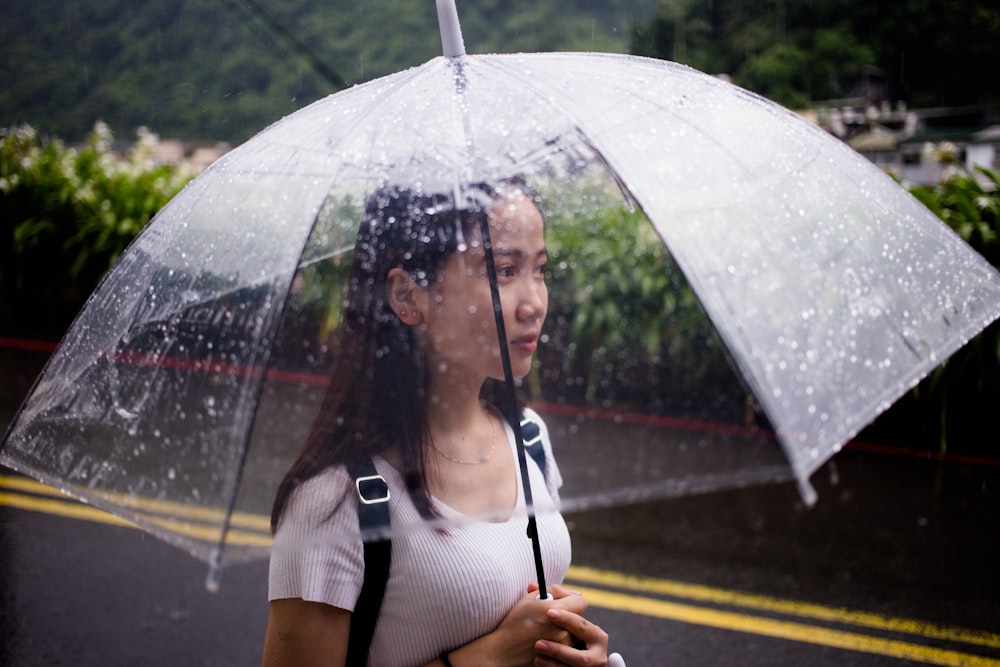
(735, 294)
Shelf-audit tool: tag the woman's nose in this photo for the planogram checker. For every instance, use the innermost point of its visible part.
(533, 302)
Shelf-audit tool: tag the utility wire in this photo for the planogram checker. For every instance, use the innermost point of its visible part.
(288, 38)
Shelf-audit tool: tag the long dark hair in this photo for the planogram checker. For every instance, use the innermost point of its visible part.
(377, 396)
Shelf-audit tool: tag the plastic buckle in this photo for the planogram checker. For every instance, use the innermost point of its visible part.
(536, 438)
(375, 489)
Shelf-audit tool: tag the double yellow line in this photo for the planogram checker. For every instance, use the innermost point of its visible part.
(657, 598)
(781, 619)
(198, 523)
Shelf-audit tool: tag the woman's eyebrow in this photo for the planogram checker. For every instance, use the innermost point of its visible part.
(518, 253)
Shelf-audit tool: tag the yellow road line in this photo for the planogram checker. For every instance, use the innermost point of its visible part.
(789, 607)
(784, 629)
(49, 500)
(254, 522)
(61, 508)
(59, 503)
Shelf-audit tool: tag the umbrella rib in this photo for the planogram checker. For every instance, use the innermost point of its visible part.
(215, 564)
(657, 105)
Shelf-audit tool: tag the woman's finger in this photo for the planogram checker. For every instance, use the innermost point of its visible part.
(558, 655)
(590, 648)
(578, 626)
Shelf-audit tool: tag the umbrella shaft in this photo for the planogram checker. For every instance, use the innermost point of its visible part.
(512, 410)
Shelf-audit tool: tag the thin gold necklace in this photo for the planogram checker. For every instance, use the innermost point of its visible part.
(482, 459)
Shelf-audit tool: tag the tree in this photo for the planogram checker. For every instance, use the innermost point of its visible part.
(933, 52)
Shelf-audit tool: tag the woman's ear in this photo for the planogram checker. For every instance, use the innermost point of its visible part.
(403, 296)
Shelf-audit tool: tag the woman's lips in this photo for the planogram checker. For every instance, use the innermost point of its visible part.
(527, 343)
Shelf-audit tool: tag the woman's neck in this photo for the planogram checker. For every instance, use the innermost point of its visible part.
(453, 408)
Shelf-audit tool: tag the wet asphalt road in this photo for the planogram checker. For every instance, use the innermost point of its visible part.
(891, 535)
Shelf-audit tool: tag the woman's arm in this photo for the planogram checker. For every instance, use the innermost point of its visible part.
(310, 634)
(313, 634)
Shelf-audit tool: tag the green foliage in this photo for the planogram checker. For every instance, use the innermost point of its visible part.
(962, 394)
(973, 211)
(931, 52)
(777, 73)
(622, 332)
(797, 72)
(219, 71)
(67, 214)
(625, 325)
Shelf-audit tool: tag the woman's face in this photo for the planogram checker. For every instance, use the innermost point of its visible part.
(459, 330)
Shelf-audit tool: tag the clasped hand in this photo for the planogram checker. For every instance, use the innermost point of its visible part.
(552, 632)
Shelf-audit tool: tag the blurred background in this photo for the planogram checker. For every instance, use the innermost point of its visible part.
(110, 106)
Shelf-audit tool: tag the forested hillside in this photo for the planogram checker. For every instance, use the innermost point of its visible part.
(223, 69)
(923, 52)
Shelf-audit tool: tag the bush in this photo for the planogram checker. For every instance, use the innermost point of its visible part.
(66, 215)
(956, 404)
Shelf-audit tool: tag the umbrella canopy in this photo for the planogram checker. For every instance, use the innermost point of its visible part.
(183, 389)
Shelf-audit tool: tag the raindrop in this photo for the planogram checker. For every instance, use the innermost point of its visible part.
(122, 412)
(171, 473)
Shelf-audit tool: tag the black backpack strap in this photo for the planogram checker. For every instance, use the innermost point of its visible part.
(531, 432)
(373, 515)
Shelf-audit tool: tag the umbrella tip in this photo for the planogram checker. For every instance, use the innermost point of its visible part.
(807, 492)
(451, 31)
(214, 577)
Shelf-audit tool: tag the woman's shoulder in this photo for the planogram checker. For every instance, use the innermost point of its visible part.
(333, 491)
(551, 473)
(314, 499)
(529, 413)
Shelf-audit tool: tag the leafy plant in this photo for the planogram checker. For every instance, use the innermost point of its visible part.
(66, 214)
(963, 392)
(624, 323)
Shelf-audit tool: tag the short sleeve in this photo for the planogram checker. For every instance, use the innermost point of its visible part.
(317, 554)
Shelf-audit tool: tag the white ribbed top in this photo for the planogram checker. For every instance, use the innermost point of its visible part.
(445, 589)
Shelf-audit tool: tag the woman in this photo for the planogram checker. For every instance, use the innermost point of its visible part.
(413, 386)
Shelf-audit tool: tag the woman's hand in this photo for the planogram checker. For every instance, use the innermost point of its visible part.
(513, 643)
(589, 648)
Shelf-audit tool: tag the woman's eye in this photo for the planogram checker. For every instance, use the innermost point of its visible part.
(506, 271)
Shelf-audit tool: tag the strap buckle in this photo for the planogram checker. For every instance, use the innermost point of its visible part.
(372, 489)
(530, 432)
